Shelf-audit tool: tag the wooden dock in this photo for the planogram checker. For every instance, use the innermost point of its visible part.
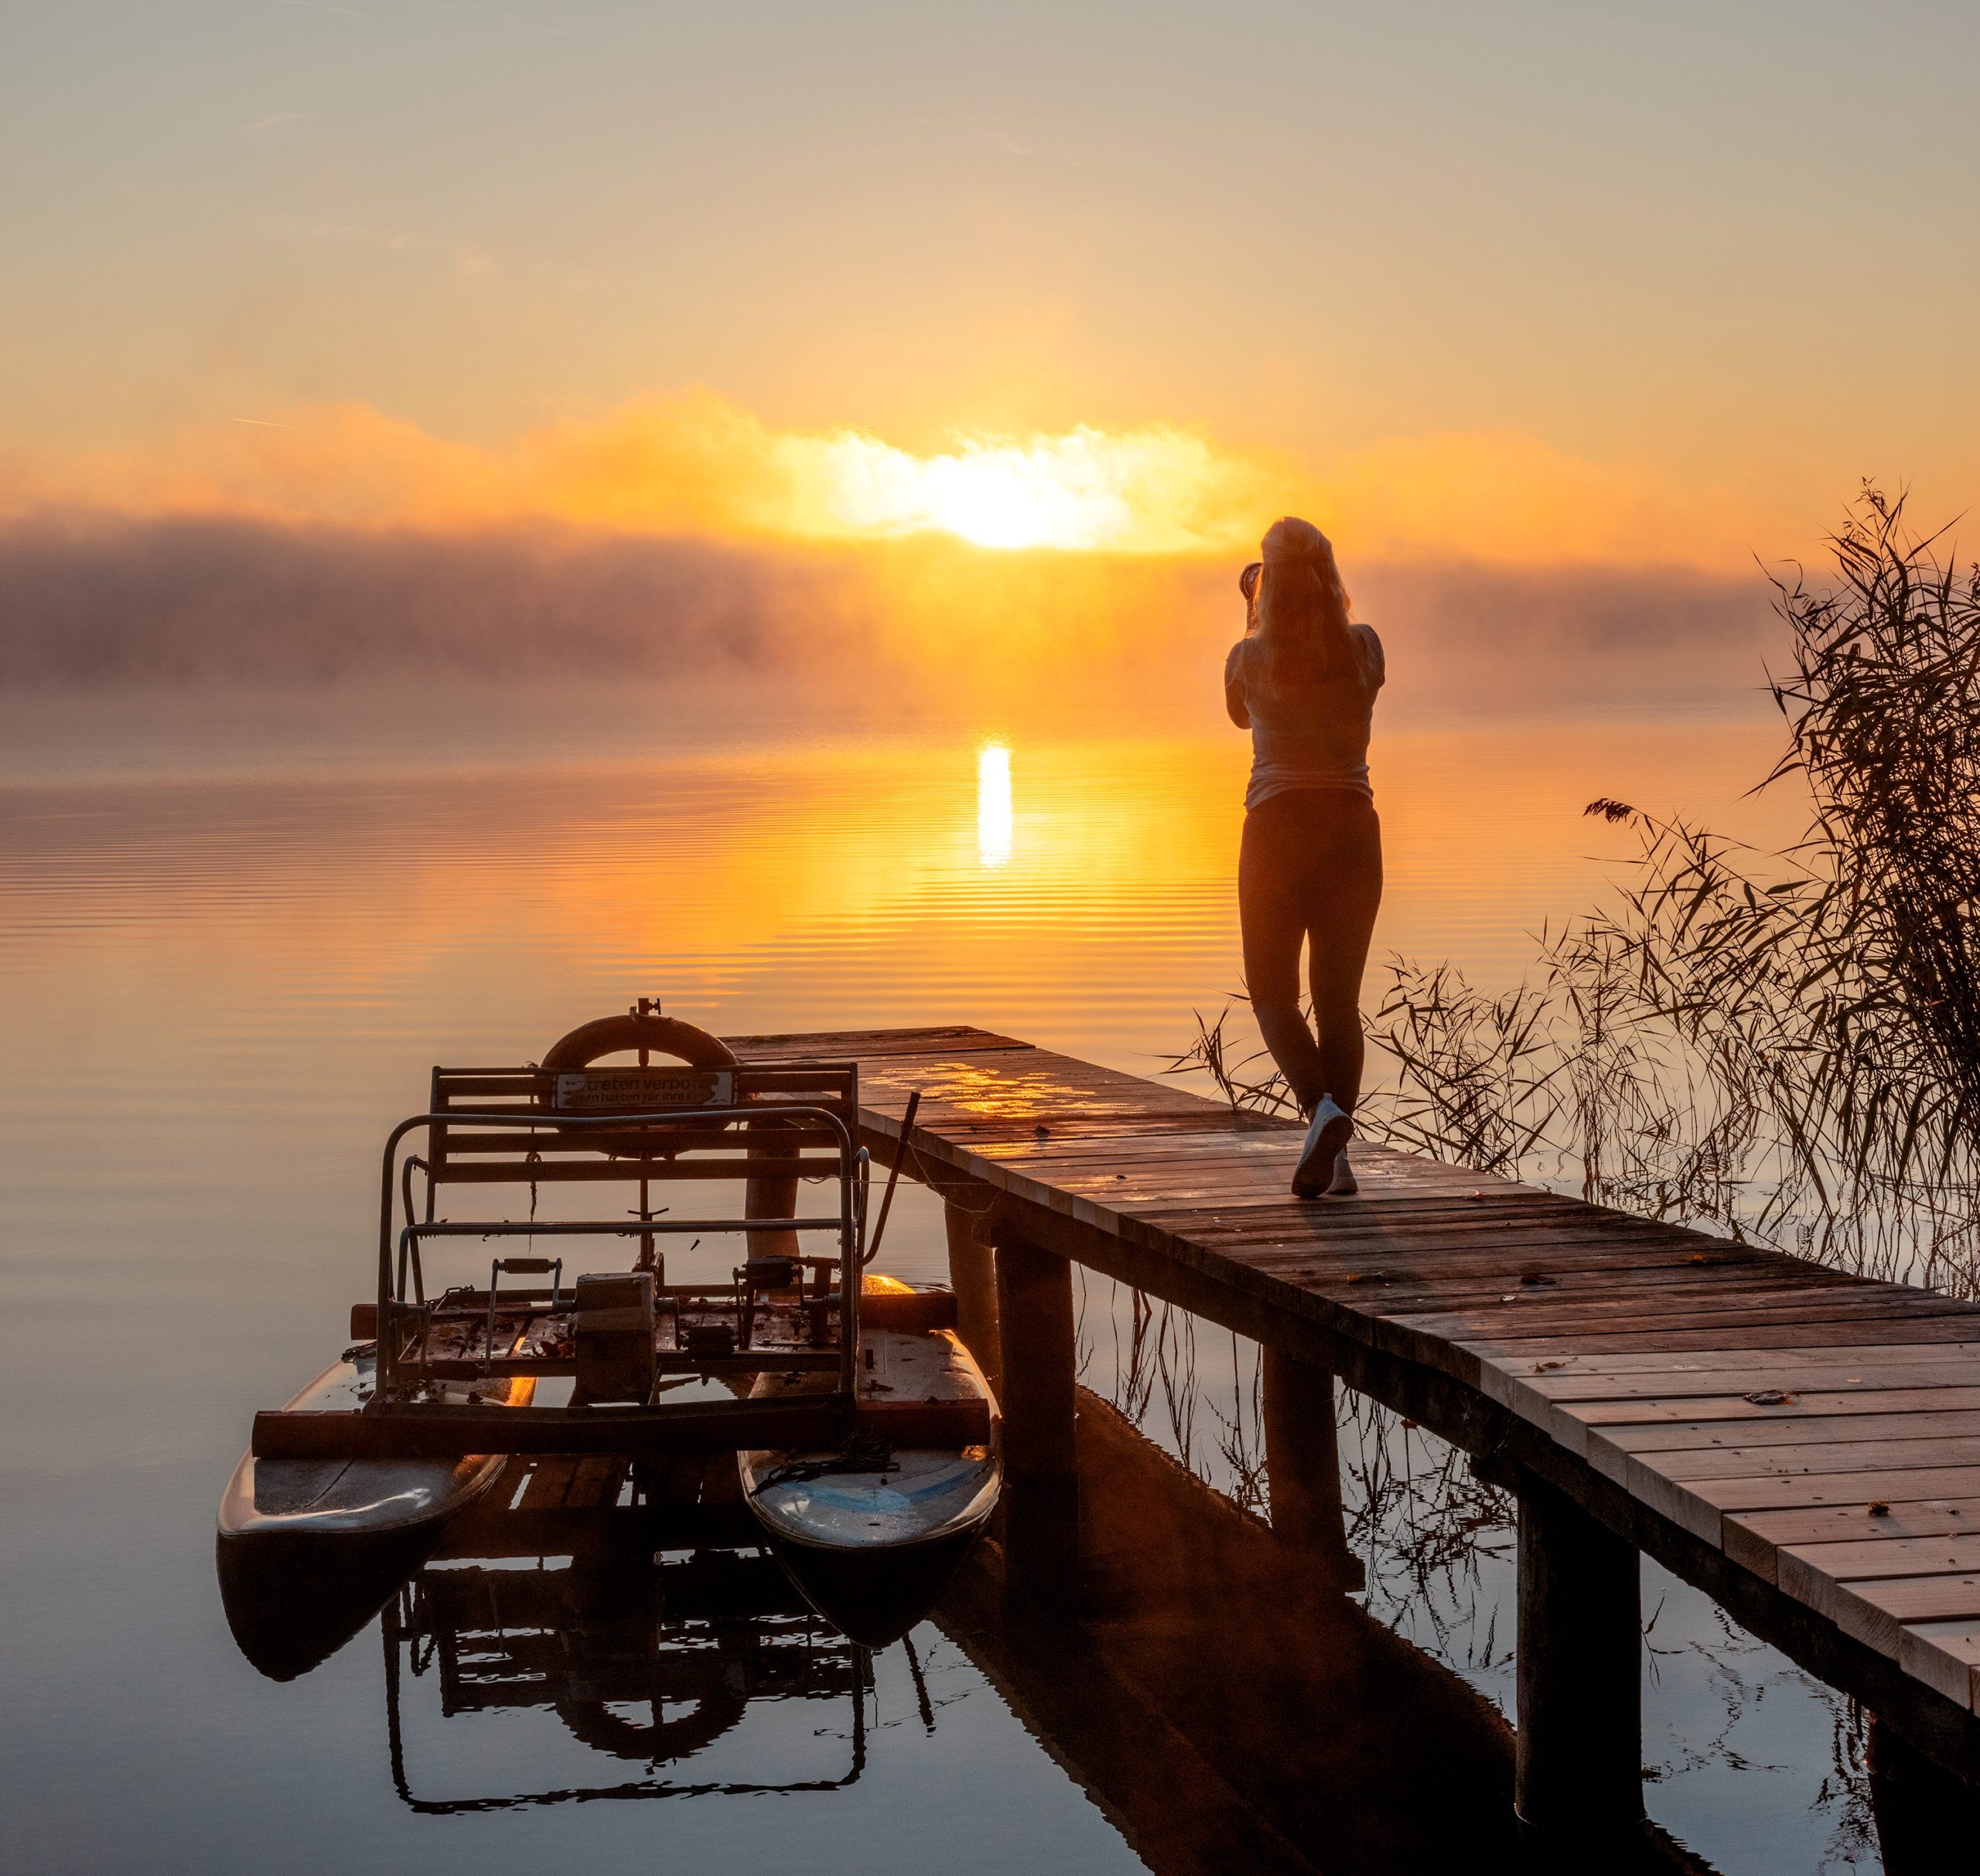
(1803, 1445)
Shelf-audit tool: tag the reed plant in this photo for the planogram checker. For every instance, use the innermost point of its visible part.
(1782, 1046)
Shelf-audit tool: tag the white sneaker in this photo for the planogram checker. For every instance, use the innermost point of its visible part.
(1326, 1138)
(1344, 1185)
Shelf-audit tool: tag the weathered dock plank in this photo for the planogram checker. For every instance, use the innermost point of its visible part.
(1805, 1443)
(1759, 1538)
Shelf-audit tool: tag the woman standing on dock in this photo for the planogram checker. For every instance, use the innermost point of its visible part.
(1302, 681)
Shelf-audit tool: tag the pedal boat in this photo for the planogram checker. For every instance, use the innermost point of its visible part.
(356, 1475)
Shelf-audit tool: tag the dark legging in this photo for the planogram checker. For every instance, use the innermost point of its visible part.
(1310, 872)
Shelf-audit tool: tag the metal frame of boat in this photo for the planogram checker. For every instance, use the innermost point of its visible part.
(454, 1375)
(659, 1139)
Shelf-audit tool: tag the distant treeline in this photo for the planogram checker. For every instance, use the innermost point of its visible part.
(94, 601)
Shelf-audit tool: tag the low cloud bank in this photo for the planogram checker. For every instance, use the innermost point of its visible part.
(97, 603)
(85, 602)
(1496, 634)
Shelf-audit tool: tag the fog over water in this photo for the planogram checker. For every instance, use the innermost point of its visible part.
(941, 629)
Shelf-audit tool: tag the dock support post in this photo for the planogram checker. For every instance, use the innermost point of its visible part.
(771, 1194)
(1578, 1781)
(1302, 1468)
(1041, 1473)
(973, 1277)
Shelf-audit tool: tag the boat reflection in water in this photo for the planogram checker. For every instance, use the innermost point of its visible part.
(637, 1605)
(651, 1668)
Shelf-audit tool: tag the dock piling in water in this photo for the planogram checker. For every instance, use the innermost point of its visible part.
(1041, 1465)
(973, 1277)
(1928, 1821)
(1579, 1778)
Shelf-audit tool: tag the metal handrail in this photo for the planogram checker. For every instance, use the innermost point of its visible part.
(606, 1227)
(850, 1221)
(412, 1161)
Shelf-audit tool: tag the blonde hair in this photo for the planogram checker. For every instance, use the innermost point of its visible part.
(1302, 606)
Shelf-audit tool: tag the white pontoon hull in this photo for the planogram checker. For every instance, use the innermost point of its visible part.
(357, 1497)
(814, 1501)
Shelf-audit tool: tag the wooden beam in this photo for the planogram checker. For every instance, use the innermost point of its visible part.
(433, 1431)
(973, 1281)
(1035, 1318)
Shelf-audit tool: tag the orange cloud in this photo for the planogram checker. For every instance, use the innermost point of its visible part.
(1508, 498)
(696, 464)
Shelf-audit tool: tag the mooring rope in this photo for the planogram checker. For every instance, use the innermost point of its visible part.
(864, 1452)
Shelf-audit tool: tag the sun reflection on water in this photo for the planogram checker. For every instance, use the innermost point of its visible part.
(993, 804)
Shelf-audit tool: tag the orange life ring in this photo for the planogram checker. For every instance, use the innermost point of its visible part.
(712, 1714)
(766, 1196)
(666, 1035)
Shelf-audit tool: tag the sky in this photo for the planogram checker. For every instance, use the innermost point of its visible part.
(1622, 285)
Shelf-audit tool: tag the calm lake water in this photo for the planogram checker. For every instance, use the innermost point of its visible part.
(236, 934)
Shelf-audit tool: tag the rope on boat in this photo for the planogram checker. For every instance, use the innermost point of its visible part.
(864, 1452)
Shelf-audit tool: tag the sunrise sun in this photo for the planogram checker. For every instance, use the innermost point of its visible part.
(1154, 490)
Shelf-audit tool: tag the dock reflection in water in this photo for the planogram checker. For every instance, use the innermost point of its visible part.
(1223, 1697)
